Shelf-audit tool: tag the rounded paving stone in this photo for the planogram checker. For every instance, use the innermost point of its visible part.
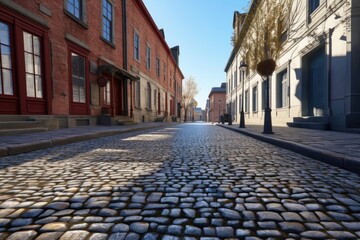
(58, 205)
(139, 227)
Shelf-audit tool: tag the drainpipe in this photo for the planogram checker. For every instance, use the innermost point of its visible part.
(125, 62)
(124, 33)
(331, 31)
(175, 98)
(289, 87)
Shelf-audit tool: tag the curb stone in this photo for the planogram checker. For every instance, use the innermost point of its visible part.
(336, 159)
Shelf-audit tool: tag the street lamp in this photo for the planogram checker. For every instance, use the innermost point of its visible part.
(242, 68)
(219, 111)
(230, 111)
(267, 119)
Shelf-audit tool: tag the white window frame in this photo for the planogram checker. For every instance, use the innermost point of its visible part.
(255, 97)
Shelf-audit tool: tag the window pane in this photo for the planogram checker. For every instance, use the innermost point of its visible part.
(82, 94)
(30, 88)
(37, 65)
(38, 83)
(5, 57)
(29, 64)
(78, 78)
(76, 97)
(4, 34)
(36, 45)
(28, 42)
(8, 83)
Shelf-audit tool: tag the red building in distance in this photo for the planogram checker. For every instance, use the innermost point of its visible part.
(217, 103)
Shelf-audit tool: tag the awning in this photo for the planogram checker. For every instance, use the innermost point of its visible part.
(115, 71)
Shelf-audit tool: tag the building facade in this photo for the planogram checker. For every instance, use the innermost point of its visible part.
(316, 75)
(81, 61)
(217, 103)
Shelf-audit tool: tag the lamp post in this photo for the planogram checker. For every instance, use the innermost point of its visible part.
(219, 111)
(265, 69)
(242, 68)
(230, 111)
(267, 119)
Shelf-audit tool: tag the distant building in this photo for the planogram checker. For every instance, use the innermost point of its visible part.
(217, 103)
(207, 110)
(199, 114)
(316, 80)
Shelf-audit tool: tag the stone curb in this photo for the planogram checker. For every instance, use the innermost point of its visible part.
(27, 147)
(32, 146)
(336, 159)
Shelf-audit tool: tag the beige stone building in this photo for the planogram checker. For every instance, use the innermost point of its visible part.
(315, 83)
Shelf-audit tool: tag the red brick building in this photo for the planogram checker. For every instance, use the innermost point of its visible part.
(217, 103)
(81, 61)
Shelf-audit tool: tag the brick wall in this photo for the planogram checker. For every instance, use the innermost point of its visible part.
(61, 26)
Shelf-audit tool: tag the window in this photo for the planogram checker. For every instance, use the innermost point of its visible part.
(235, 78)
(313, 5)
(6, 81)
(78, 78)
(170, 78)
(137, 94)
(32, 66)
(240, 102)
(107, 21)
(155, 94)
(157, 67)
(148, 57)
(282, 92)
(164, 72)
(136, 46)
(246, 101)
(107, 93)
(254, 99)
(148, 104)
(75, 8)
(283, 29)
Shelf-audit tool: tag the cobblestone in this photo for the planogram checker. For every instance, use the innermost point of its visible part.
(192, 181)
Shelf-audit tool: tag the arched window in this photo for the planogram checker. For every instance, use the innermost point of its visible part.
(148, 102)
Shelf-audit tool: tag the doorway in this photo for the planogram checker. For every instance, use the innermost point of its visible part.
(314, 85)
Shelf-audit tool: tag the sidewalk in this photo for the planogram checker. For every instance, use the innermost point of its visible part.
(336, 148)
(12, 145)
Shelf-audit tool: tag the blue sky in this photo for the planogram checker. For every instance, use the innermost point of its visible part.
(202, 29)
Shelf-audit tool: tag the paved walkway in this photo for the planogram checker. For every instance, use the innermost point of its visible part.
(189, 181)
(336, 148)
(12, 145)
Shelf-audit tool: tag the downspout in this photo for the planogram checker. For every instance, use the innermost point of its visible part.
(289, 87)
(331, 31)
(175, 98)
(124, 33)
(125, 60)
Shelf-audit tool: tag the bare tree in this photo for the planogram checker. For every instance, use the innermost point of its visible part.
(267, 24)
(190, 90)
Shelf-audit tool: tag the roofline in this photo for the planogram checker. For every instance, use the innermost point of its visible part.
(248, 19)
(147, 15)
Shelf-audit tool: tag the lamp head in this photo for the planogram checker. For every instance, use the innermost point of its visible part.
(243, 66)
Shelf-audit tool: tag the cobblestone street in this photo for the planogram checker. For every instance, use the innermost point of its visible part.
(187, 181)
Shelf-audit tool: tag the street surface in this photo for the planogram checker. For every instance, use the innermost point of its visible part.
(188, 181)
